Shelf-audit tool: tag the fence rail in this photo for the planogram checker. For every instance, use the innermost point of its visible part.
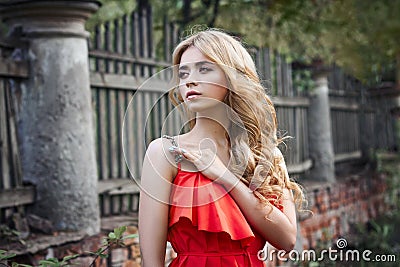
(13, 194)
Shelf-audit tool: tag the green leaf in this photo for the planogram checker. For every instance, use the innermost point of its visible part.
(70, 257)
(4, 257)
(49, 262)
(103, 256)
(112, 235)
(52, 260)
(119, 231)
(130, 236)
(105, 242)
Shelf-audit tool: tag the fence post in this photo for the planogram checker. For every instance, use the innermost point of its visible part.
(319, 128)
(365, 134)
(55, 117)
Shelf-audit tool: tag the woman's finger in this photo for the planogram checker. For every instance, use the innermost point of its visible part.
(191, 156)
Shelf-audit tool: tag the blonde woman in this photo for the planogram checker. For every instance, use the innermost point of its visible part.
(220, 191)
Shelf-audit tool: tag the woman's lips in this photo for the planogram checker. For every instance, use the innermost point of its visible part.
(192, 94)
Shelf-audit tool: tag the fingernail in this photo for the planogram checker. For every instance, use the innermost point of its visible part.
(183, 150)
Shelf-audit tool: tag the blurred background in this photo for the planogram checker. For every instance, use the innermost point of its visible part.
(77, 111)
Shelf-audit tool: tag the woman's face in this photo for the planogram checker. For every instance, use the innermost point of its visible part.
(202, 83)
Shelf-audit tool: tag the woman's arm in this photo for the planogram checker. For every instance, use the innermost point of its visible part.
(157, 174)
(278, 228)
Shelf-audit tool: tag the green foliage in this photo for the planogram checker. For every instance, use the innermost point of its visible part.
(5, 256)
(382, 235)
(359, 35)
(302, 80)
(388, 164)
(115, 239)
(110, 9)
(53, 262)
(10, 235)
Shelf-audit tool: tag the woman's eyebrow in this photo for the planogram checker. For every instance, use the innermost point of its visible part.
(199, 63)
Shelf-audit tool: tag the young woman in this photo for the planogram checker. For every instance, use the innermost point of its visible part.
(221, 190)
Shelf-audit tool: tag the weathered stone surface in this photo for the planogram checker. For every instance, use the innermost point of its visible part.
(39, 224)
(320, 134)
(55, 116)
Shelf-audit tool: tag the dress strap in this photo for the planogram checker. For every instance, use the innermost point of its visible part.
(178, 157)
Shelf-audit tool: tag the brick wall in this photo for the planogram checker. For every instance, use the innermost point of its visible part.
(338, 207)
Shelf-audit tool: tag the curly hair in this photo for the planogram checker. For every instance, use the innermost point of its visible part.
(255, 158)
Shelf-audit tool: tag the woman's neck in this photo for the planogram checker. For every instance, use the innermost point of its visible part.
(207, 127)
(211, 125)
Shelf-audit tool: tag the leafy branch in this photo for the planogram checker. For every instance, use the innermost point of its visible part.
(115, 239)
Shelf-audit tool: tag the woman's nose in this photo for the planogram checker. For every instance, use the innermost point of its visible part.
(191, 83)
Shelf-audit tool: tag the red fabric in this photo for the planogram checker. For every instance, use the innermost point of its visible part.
(207, 228)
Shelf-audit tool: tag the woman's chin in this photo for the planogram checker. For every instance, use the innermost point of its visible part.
(203, 104)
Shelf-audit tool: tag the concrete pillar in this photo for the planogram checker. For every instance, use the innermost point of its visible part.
(55, 116)
(319, 127)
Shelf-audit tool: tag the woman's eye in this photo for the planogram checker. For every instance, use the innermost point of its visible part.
(182, 74)
(204, 69)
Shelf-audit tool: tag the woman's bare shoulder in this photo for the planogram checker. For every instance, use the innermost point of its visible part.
(158, 153)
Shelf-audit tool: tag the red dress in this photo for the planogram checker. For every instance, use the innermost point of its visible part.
(206, 226)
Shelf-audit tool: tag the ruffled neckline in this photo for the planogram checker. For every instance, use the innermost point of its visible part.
(208, 206)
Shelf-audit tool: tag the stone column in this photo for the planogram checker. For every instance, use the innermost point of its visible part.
(55, 115)
(319, 127)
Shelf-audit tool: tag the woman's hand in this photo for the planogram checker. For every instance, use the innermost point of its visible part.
(207, 162)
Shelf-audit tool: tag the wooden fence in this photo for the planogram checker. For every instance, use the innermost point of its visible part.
(13, 194)
(130, 112)
(122, 56)
(290, 103)
(360, 121)
(344, 97)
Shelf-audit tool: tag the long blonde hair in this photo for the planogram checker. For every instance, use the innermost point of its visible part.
(257, 143)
